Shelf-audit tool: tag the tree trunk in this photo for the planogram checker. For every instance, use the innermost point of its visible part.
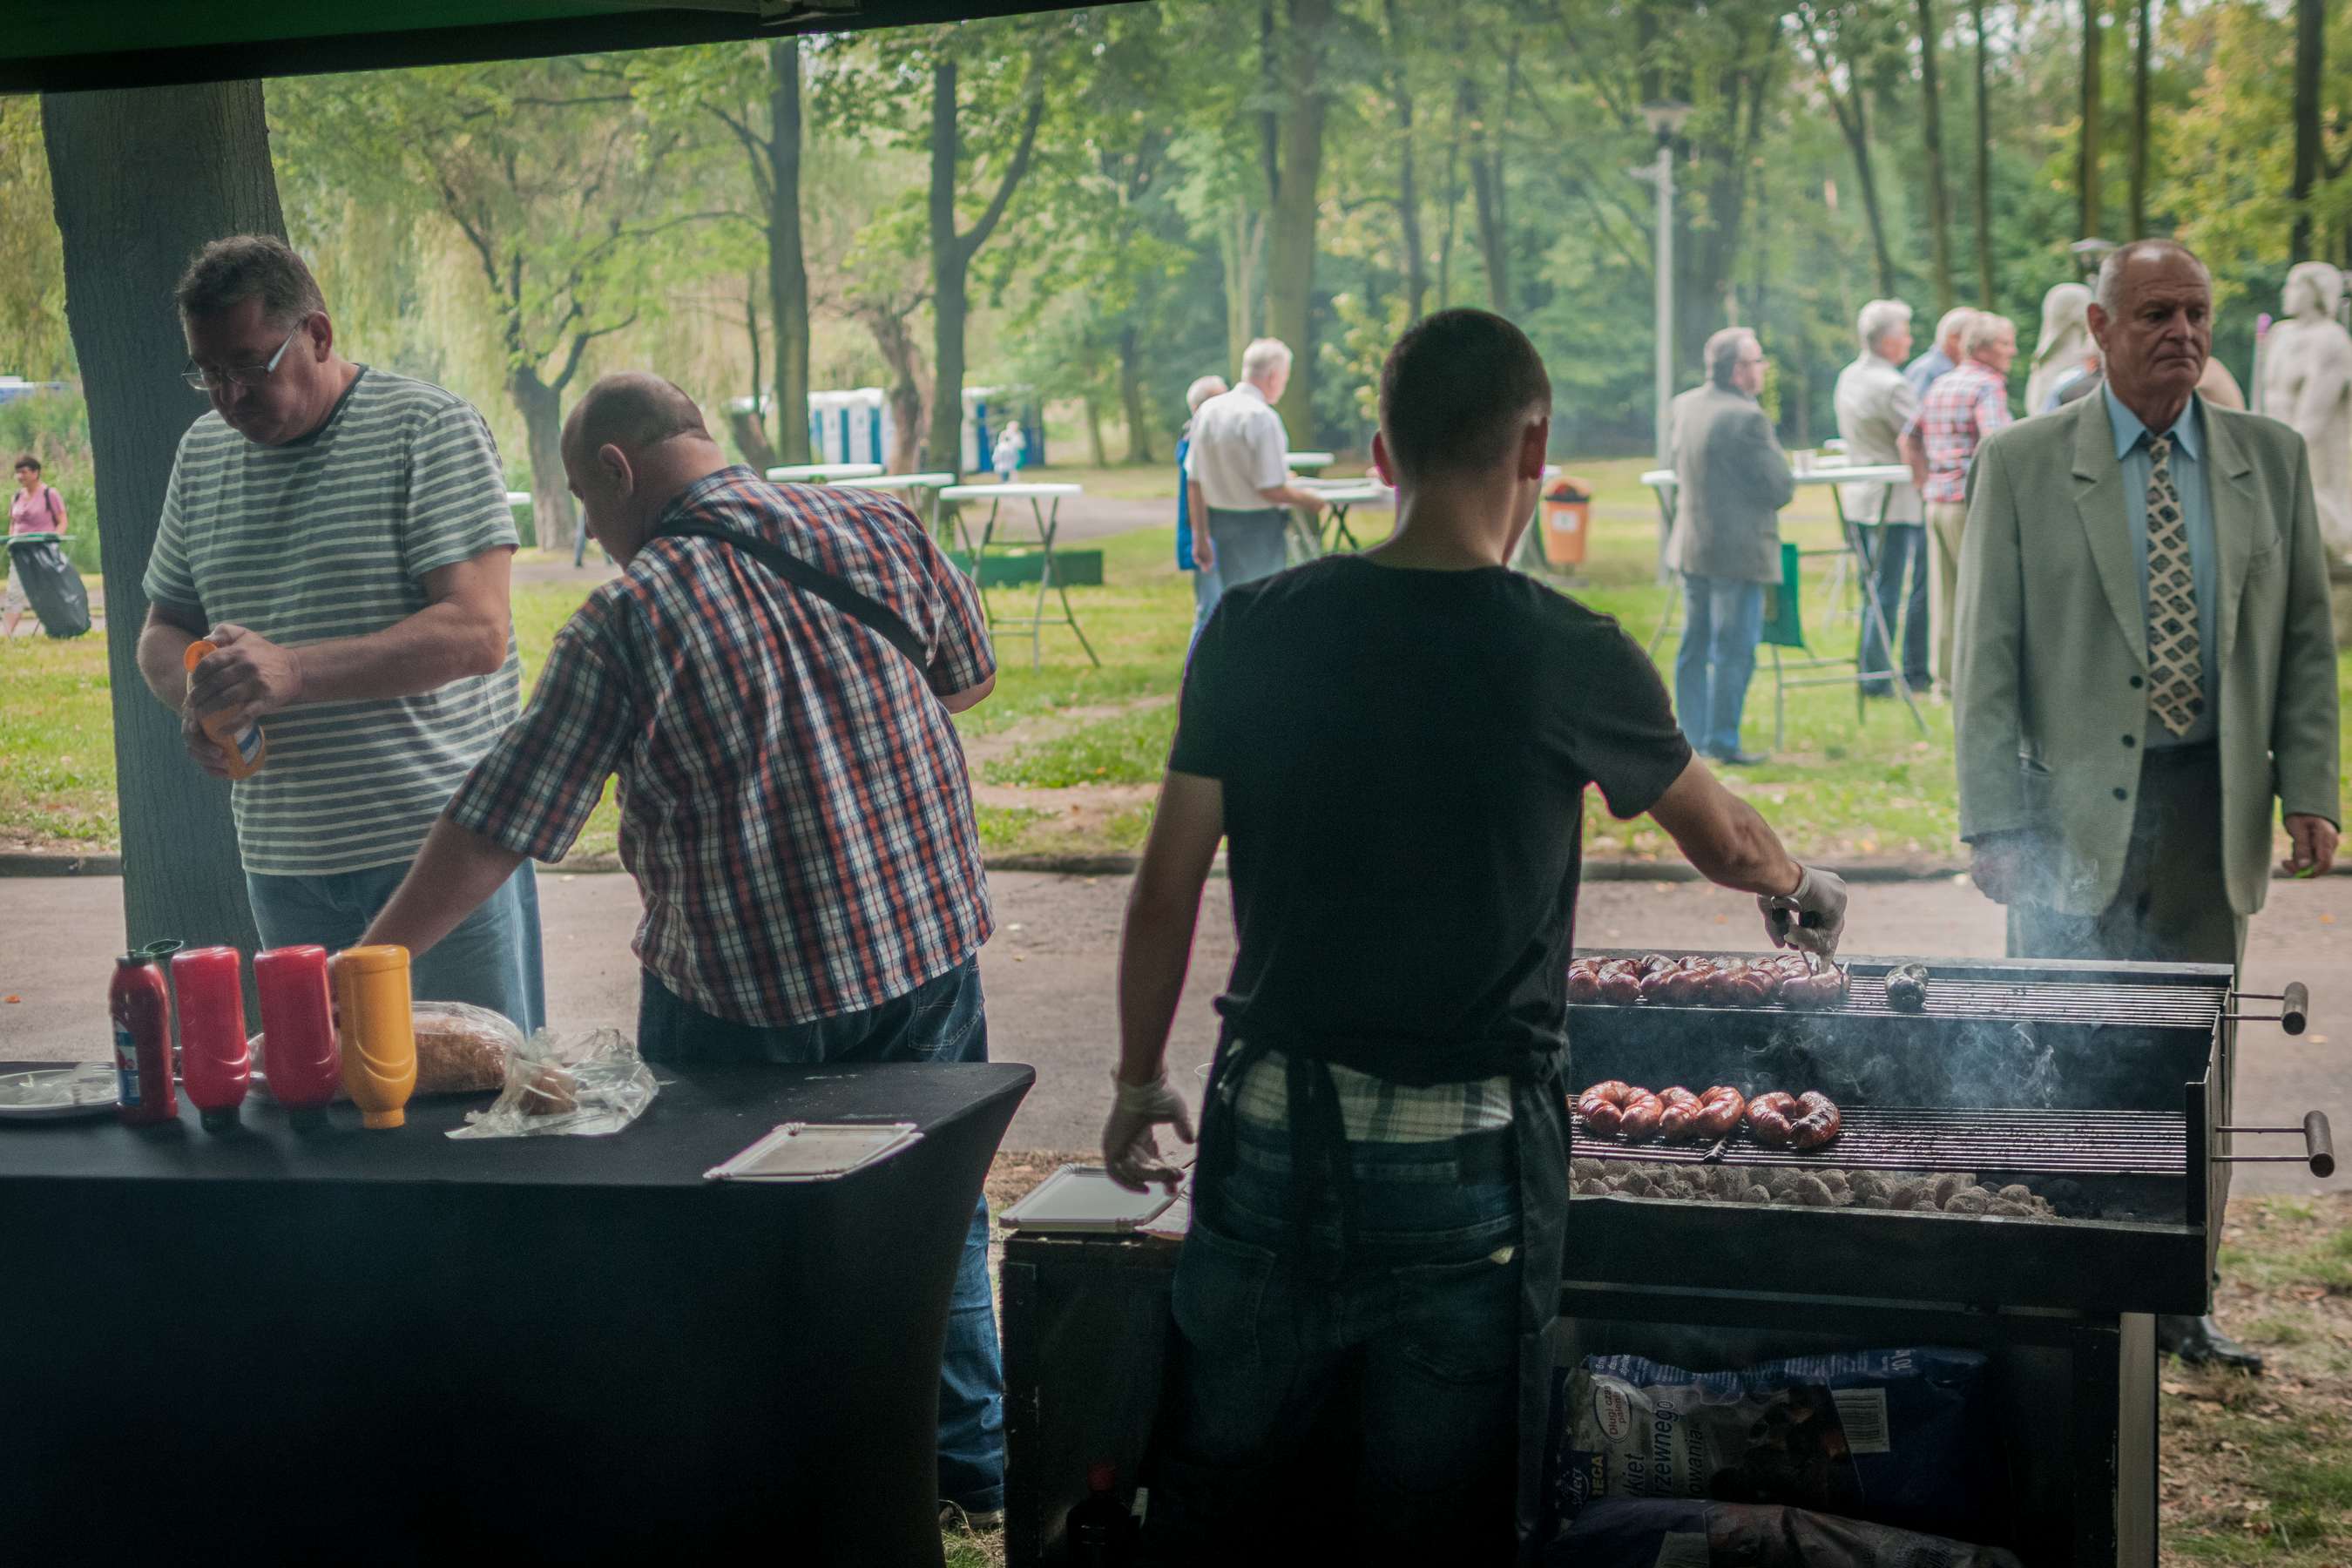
(1132, 399)
(1101, 454)
(1984, 171)
(1240, 240)
(140, 179)
(2310, 59)
(946, 451)
(1487, 201)
(1453, 212)
(2088, 214)
(743, 425)
(1856, 122)
(1290, 270)
(541, 408)
(2140, 45)
(1415, 265)
(787, 265)
(1939, 200)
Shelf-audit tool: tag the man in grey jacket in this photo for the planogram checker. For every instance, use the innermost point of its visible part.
(1732, 480)
(2146, 669)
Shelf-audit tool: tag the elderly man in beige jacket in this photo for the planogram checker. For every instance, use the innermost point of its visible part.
(2145, 661)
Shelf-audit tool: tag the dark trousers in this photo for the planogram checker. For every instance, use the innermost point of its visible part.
(1384, 1361)
(1898, 548)
(941, 1020)
(2172, 906)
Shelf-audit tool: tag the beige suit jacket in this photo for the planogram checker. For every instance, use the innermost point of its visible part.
(2050, 686)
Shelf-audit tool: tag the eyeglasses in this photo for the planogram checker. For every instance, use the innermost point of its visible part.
(248, 376)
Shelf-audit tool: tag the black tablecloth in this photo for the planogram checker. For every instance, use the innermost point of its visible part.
(396, 1347)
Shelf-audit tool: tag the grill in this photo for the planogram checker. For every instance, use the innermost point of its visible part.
(1929, 1138)
(2101, 1088)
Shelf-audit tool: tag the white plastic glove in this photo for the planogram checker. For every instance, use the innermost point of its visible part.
(1131, 1152)
(1813, 918)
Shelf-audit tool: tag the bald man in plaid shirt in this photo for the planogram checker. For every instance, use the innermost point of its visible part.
(794, 801)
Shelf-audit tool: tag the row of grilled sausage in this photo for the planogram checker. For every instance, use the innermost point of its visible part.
(1616, 1108)
(1693, 982)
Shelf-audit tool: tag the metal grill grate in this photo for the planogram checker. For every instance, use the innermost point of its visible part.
(1921, 1138)
(2060, 1002)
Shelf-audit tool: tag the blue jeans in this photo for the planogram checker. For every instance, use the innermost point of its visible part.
(1406, 1342)
(1207, 589)
(941, 1020)
(492, 960)
(1899, 547)
(1722, 620)
(1249, 546)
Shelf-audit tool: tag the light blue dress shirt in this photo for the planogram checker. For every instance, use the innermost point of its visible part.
(1922, 373)
(2188, 482)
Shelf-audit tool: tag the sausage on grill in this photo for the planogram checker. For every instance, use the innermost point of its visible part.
(1803, 1121)
(1616, 1106)
(1602, 1106)
(1584, 981)
(1679, 1111)
(1719, 1110)
(1620, 982)
(1818, 1121)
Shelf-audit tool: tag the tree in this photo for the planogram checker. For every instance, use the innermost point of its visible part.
(2086, 177)
(1848, 39)
(1931, 132)
(2310, 151)
(34, 342)
(1415, 262)
(1296, 169)
(1007, 106)
(1984, 167)
(752, 91)
(553, 183)
(2140, 46)
(143, 179)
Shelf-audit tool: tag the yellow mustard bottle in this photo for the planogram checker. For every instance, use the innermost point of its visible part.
(246, 751)
(379, 1034)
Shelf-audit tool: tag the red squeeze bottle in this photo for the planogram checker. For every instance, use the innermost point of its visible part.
(297, 1025)
(141, 1004)
(214, 1060)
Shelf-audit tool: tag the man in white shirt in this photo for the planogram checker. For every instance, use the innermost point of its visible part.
(1238, 470)
(1874, 405)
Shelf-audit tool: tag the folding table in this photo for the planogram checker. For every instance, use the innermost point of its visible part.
(1853, 549)
(1044, 511)
(1338, 496)
(923, 491)
(822, 473)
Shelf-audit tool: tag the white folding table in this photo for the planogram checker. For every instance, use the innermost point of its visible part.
(1044, 512)
(822, 473)
(1338, 496)
(923, 491)
(1854, 553)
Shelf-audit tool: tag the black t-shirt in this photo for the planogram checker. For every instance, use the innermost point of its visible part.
(1403, 756)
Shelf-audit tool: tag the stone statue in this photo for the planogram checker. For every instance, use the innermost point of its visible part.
(2308, 381)
(2064, 342)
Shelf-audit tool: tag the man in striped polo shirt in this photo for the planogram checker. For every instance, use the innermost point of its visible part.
(342, 534)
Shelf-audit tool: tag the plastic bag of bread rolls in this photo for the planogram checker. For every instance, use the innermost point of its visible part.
(460, 1049)
(588, 1084)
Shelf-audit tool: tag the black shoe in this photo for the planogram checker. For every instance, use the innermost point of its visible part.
(2199, 1342)
(1741, 759)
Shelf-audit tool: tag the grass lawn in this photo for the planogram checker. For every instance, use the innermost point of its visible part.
(1065, 756)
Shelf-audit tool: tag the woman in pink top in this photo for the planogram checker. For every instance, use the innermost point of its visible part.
(36, 508)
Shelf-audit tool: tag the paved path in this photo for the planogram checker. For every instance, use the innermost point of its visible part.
(1049, 976)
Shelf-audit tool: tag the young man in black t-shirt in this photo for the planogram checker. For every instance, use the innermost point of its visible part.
(1396, 746)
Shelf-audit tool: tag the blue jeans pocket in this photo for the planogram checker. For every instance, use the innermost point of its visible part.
(1461, 1318)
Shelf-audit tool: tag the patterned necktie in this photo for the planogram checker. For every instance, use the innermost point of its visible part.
(2176, 673)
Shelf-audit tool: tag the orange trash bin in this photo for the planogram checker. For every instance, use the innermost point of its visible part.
(1567, 519)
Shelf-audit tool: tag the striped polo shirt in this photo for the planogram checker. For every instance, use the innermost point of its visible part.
(332, 536)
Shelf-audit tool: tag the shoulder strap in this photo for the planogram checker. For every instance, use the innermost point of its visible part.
(52, 498)
(878, 617)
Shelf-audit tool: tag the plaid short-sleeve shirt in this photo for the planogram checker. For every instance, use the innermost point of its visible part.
(1967, 403)
(794, 801)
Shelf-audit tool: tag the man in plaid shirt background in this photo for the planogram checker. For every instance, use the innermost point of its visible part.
(794, 801)
(1964, 405)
